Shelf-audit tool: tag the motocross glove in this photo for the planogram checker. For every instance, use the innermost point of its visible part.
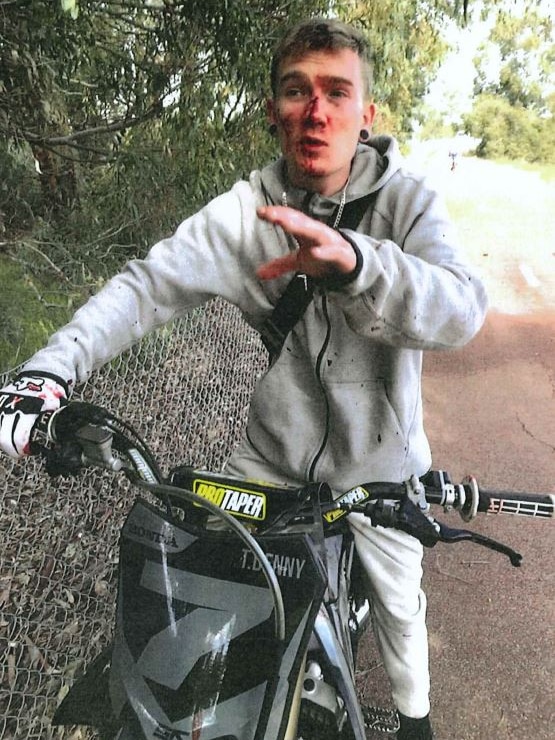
(22, 404)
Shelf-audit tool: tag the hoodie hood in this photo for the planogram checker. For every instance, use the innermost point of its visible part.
(373, 165)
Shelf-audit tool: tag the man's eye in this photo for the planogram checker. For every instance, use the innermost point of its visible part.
(338, 93)
(293, 92)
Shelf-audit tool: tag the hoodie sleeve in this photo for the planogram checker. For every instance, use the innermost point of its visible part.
(206, 256)
(414, 288)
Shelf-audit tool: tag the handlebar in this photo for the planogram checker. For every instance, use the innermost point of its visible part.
(469, 499)
(81, 435)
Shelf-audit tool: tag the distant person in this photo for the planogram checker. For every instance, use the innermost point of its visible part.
(341, 402)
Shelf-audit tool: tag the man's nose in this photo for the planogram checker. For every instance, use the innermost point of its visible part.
(315, 112)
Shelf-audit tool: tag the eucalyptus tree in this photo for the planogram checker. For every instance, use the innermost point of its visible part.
(513, 111)
(139, 101)
(118, 117)
(516, 60)
(75, 84)
(407, 39)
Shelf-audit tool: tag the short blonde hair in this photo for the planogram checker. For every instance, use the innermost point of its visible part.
(317, 34)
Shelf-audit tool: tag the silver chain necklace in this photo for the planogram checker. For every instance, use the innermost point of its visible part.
(339, 210)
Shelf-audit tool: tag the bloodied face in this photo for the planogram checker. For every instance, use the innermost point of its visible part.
(319, 109)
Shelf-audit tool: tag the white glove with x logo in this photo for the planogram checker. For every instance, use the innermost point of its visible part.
(22, 403)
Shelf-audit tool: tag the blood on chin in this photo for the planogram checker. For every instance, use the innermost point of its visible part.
(310, 167)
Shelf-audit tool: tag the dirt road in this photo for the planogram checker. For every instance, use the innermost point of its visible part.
(490, 411)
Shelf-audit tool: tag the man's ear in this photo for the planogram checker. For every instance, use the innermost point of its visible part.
(368, 115)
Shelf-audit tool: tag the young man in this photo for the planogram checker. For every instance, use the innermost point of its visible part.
(341, 402)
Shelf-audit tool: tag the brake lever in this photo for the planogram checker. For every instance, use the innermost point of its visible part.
(405, 515)
(450, 535)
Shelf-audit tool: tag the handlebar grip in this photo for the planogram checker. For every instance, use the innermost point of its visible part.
(540, 505)
(56, 426)
(49, 422)
(64, 423)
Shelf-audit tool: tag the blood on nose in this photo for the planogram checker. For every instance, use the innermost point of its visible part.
(314, 108)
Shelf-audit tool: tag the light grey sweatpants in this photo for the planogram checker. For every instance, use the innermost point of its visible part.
(392, 561)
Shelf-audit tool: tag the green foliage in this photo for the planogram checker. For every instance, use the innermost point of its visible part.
(408, 47)
(511, 131)
(521, 51)
(119, 118)
(31, 310)
(136, 113)
(163, 173)
(76, 88)
(513, 113)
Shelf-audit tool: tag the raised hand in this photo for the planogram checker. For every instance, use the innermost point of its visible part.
(322, 251)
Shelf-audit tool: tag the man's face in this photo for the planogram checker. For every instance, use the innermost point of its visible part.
(319, 109)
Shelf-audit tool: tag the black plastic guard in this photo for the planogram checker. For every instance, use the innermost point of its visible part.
(88, 701)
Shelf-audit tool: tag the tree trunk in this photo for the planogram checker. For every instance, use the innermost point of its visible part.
(57, 178)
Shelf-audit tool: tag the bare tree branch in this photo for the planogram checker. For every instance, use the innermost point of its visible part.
(71, 139)
(60, 273)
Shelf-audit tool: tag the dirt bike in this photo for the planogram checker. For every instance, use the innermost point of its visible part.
(240, 604)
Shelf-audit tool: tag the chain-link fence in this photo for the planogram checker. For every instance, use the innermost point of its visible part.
(186, 389)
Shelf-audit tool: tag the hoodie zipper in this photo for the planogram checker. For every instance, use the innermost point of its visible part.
(319, 362)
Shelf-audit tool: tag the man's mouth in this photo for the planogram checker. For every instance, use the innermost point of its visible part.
(312, 141)
(312, 144)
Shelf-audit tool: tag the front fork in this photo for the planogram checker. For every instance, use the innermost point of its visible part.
(326, 680)
(333, 696)
(292, 725)
(342, 672)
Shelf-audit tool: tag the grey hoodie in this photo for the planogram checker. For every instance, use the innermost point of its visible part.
(342, 402)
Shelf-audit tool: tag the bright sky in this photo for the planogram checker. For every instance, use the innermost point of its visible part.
(452, 90)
